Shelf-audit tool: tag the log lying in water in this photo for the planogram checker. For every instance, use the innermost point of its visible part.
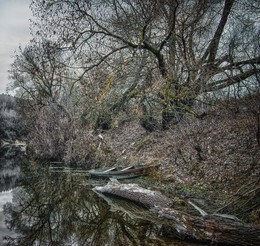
(216, 228)
(135, 193)
(212, 228)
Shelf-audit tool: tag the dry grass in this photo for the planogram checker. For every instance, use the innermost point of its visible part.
(219, 151)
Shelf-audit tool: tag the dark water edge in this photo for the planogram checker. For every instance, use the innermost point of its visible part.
(43, 206)
(10, 159)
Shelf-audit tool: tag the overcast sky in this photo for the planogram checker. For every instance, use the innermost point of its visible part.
(14, 31)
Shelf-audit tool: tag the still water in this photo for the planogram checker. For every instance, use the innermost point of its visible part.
(45, 206)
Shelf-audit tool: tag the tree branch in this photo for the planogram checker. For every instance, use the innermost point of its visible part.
(172, 27)
(252, 61)
(105, 31)
(97, 64)
(211, 51)
(224, 83)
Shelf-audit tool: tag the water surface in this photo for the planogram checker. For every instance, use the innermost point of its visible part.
(48, 206)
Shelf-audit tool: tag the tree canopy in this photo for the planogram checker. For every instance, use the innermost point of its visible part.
(158, 55)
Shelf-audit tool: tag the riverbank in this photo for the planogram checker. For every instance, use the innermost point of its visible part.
(201, 226)
(220, 150)
(217, 156)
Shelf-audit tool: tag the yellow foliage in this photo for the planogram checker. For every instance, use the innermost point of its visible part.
(110, 81)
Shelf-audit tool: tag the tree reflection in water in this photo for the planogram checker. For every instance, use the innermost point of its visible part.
(10, 157)
(61, 209)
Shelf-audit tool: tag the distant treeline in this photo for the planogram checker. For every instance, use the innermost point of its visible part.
(7, 102)
(11, 124)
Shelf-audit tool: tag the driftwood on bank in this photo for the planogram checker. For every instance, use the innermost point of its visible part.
(218, 228)
(135, 193)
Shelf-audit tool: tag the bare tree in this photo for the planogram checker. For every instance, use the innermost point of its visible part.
(191, 47)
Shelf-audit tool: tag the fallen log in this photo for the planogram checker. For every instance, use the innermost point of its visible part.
(216, 228)
(135, 193)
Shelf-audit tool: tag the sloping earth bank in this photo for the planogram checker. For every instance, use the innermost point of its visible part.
(218, 154)
(217, 150)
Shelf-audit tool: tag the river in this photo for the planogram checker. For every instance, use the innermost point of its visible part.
(40, 205)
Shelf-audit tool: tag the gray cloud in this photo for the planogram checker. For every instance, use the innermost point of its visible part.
(14, 26)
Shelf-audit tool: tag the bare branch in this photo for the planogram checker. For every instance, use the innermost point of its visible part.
(172, 26)
(97, 64)
(211, 51)
(224, 83)
(252, 61)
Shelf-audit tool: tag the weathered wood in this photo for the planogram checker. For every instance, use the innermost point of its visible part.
(135, 193)
(212, 228)
(215, 228)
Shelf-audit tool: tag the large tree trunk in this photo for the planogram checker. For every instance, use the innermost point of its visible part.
(216, 228)
(135, 193)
